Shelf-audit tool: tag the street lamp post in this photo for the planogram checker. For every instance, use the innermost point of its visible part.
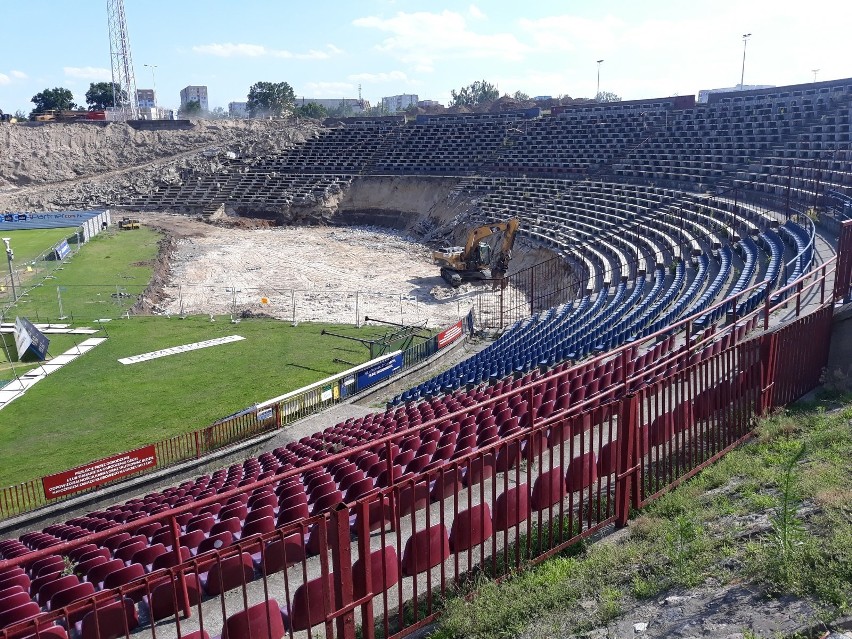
(154, 82)
(746, 36)
(598, 92)
(815, 73)
(10, 255)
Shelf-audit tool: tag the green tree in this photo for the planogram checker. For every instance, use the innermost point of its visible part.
(479, 92)
(520, 96)
(100, 95)
(607, 96)
(218, 113)
(59, 99)
(342, 110)
(270, 99)
(190, 109)
(312, 110)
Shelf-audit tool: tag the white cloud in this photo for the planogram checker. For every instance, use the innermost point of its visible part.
(9, 78)
(392, 76)
(87, 73)
(421, 38)
(573, 33)
(245, 50)
(476, 12)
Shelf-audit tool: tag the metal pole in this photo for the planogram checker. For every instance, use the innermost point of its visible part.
(598, 92)
(746, 36)
(154, 82)
(9, 256)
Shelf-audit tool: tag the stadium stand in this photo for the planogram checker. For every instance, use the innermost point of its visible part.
(649, 255)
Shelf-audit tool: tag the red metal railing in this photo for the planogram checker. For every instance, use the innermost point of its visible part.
(508, 501)
(247, 424)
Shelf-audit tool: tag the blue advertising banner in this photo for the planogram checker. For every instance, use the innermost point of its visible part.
(52, 220)
(62, 250)
(379, 371)
(29, 338)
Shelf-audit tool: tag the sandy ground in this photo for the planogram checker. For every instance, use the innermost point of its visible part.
(331, 274)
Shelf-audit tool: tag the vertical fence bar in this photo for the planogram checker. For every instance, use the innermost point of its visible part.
(341, 560)
(625, 464)
(843, 273)
(184, 593)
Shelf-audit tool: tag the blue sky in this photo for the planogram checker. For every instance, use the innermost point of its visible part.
(325, 49)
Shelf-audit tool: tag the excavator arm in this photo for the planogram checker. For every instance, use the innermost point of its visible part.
(475, 261)
(508, 228)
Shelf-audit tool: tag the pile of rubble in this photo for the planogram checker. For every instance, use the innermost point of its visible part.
(56, 166)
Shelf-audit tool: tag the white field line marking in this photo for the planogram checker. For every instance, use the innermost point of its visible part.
(17, 387)
(175, 350)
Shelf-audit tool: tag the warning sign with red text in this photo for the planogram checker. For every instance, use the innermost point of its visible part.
(99, 472)
(450, 335)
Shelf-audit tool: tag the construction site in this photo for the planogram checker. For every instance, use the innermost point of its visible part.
(598, 320)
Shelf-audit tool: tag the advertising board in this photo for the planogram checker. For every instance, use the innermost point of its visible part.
(380, 371)
(99, 472)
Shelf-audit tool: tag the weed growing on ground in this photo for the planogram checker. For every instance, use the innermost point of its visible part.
(794, 477)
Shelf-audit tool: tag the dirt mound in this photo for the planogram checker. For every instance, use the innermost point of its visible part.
(34, 154)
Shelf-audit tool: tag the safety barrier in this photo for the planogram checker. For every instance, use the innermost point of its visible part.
(527, 292)
(35, 271)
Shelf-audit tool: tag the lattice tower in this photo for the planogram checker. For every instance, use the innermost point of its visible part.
(121, 61)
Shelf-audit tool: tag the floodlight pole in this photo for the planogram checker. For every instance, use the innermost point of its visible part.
(598, 92)
(154, 81)
(10, 256)
(815, 74)
(746, 36)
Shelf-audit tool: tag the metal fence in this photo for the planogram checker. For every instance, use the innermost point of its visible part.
(383, 564)
(28, 276)
(527, 292)
(537, 464)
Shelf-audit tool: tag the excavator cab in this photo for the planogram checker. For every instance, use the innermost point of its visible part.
(483, 256)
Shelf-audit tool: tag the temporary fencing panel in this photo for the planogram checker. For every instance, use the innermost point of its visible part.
(801, 353)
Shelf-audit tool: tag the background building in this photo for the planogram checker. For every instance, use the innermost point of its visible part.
(146, 98)
(396, 103)
(428, 103)
(237, 109)
(343, 106)
(190, 93)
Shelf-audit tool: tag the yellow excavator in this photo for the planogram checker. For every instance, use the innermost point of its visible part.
(476, 260)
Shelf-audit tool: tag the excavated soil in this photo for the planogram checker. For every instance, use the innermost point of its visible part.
(48, 153)
(330, 274)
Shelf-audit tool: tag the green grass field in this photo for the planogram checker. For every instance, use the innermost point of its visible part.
(28, 245)
(96, 406)
(114, 262)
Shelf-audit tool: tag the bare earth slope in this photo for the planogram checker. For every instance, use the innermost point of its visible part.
(48, 153)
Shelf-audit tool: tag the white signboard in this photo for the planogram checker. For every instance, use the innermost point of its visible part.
(176, 350)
